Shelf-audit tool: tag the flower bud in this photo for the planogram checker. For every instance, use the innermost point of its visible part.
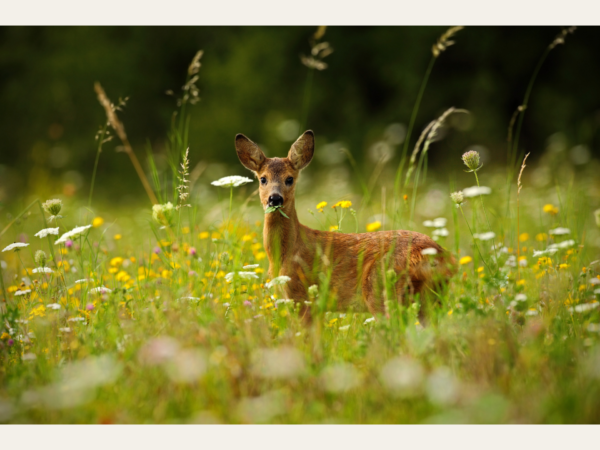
(457, 197)
(40, 258)
(53, 206)
(471, 160)
(313, 291)
(163, 214)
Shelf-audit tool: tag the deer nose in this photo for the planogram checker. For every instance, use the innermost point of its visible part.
(275, 200)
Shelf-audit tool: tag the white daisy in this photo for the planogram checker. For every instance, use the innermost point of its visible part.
(231, 181)
(42, 270)
(16, 245)
(429, 251)
(71, 234)
(559, 231)
(46, 231)
(23, 292)
(475, 191)
(278, 281)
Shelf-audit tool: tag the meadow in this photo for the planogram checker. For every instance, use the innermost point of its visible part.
(164, 311)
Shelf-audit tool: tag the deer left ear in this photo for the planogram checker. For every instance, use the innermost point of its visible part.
(302, 150)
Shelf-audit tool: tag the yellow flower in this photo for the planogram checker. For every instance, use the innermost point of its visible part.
(550, 209)
(97, 222)
(216, 235)
(465, 260)
(480, 269)
(260, 255)
(246, 237)
(166, 274)
(333, 228)
(541, 237)
(521, 283)
(343, 204)
(524, 237)
(116, 261)
(5, 335)
(204, 235)
(321, 205)
(374, 226)
(450, 312)
(185, 230)
(117, 237)
(563, 266)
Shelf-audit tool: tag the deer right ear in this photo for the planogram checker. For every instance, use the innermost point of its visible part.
(249, 154)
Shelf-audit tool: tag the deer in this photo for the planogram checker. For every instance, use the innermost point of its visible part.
(357, 263)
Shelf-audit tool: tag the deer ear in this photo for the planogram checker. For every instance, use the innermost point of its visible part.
(249, 154)
(302, 150)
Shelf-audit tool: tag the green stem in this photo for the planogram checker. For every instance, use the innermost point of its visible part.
(100, 142)
(487, 220)
(411, 124)
(474, 240)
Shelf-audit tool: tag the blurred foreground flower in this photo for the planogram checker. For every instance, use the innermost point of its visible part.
(278, 281)
(46, 231)
(465, 260)
(485, 236)
(231, 181)
(374, 226)
(560, 231)
(340, 377)
(475, 191)
(75, 232)
(440, 222)
(278, 363)
(16, 246)
(163, 214)
(98, 221)
(320, 206)
(550, 209)
(402, 376)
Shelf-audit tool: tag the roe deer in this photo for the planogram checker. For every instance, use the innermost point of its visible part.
(355, 261)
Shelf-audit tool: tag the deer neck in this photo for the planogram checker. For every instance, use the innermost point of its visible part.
(280, 236)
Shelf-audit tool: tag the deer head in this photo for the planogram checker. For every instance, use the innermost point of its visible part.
(277, 176)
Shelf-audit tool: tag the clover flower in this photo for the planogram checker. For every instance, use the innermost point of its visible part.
(15, 246)
(471, 160)
(46, 231)
(231, 181)
(457, 197)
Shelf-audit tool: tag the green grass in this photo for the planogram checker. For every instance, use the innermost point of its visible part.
(147, 354)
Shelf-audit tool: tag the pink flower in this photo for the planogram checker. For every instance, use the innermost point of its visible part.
(89, 306)
(247, 303)
(192, 251)
(156, 250)
(69, 243)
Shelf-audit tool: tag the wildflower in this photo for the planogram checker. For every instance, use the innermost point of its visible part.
(313, 290)
(440, 222)
(373, 226)
(278, 363)
(457, 197)
(46, 231)
(247, 303)
(561, 245)
(89, 306)
(344, 328)
(541, 237)
(251, 266)
(550, 209)
(563, 266)
(320, 206)
(81, 281)
(524, 237)
(340, 377)
(560, 231)
(485, 236)
(429, 251)
(16, 246)
(231, 181)
(52, 207)
(475, 191)
(53, 306)
(584, 307)
(42, 270)
(98, 221)
(163, 214)
(278, 281)
(243, 275)
(100, 290)
(203, 235)
(333, 228)
(471, 160)
(192, 251)
(75, 232)
(369, 320)
(40, 258)
(68, 244)
(117, 237)
(440, 232)
(343, 204)
(465, 260)
(23, 292)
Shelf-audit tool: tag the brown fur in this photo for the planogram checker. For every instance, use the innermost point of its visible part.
(354, 260)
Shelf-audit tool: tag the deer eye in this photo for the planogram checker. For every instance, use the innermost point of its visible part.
(289, 181)
(263, 180)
